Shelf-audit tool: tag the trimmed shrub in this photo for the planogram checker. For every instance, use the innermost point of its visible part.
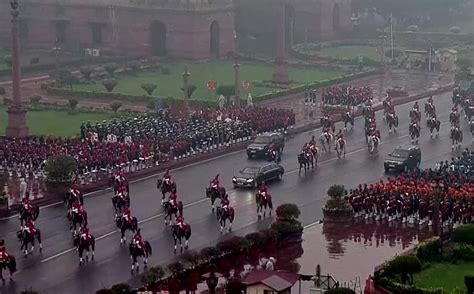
(148, 88)
(121, 289)
(287, 227)
(110, 68)
(255, 239)
(104, 291)
(7, 101)
(86, 72)
(226, 90)
(209, 253)
(191, 89)
(462, 251)
(115, 106)
(35, 100)
(109, 84)
(165, 71)
(60, 168)
(2, 91)
(288, 211)
(464, 234)
(429, 250)
(336, 191)
(191, 257)
(455, 30)
(153, 275)
(175, 267)
(73, 103)
(406, 266)
(340, 291)
(34, 60)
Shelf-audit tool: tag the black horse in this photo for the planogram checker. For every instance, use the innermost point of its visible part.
(430, 109)
(415, 115)
(213, 194)
(348, 119)
(70, 199)
(456, 136)
(327, 123)
(124, 225)
(180, 234)
(136, 251)
(263, 203)
(10, 265)
(26, 215)
(454, 118)
(26, 238)
(84, 245)
(120, 202)
(414, 131)
(171, 210)
(224, 215)
(304, 161)
(165, 188)
(392, 121)
(77, 220)
(433, 124)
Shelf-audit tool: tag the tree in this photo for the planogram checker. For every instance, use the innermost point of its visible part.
(288, 211)
(121, 289)
(134, 65)
(115, 106)
(226, 90)
(2, 91)
(110, 68)
(73, 103)
(191, 89)
(7, 60)
(65, 78)
(149, 88)
(175, 267)
(153, 275)
(86, 72)
(406, 266)
(109, 84)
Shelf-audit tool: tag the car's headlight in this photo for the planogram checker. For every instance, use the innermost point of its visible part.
(234, 179)
(249, 180)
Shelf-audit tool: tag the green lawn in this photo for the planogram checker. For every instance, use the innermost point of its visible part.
(343, 52)
(220, 71)
(55, 122)
(444, 275)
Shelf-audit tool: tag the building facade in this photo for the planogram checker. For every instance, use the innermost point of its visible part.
(191, 29)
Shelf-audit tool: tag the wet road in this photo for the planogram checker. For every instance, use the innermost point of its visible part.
(56, 269)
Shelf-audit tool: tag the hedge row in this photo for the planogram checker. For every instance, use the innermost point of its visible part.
(199, 103)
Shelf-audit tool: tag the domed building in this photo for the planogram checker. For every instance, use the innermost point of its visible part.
(190, 29)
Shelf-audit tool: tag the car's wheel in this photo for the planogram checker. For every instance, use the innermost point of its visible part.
(386, 169)
(249, 156)
(236, 187)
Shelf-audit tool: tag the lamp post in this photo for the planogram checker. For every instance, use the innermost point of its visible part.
(237, 80)
(56, 61)
(16, 126)
(186, 75)
(280, 70)
(438, 188)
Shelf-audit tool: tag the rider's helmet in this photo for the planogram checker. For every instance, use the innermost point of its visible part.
(216, 177)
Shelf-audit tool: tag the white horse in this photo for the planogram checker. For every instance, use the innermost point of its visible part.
(340, 147)
(326, 139)
(373, 142)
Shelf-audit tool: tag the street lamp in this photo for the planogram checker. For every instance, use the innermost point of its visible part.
(438, 188)
(212, 278)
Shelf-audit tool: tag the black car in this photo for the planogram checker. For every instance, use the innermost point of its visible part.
(403, 158)
(260, 145)
(252, 176)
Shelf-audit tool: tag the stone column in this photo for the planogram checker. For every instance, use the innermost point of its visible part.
(237, 81)
(16, 126)
(186, 75)
(280, 72)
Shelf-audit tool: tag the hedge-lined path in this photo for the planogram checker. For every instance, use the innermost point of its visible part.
(57, 268)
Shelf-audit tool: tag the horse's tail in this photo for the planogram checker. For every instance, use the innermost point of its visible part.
(36, 212)
(12, 264)
(187, 232)
(270, 204)
(92, 243)
(159, 183)
(38, 235)
(134, 223)
(231, 214)
(148, 248)
(180, 207)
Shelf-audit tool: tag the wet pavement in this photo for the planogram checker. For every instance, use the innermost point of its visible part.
(56, 269)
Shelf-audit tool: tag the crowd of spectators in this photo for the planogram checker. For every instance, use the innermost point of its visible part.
(346, 95)
(412, 196)
(161, 136)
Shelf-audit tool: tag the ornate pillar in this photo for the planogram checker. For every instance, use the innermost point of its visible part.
(16, 126)
(237, 80)
(186, 75)
(280, 72)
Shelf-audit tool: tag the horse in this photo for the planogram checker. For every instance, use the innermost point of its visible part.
(26, 238)
(125, 225)
(303, 161)
(263, 202)
(77, 219)
(430, 109)
(348, 119)
(10, 265)
(171, 210)
(26, 215)
(433, 124)
(223, 215)
(213, 194)
(136, 251)
(326, 139)
(120, 202)
(179, 234)
(273, 155)
(414, 131)
(387, 106)
(84, 245)
(392, 120)
(70, 198)
(372, 143)
(454, 118)
(340, 147)
(456, 137)
(328, 123)
(165, 188)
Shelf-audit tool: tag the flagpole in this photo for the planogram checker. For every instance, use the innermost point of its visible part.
(391, 33)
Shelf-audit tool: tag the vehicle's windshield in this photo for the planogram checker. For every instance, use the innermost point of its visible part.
(263, 140)
(400, 153)
(250, 170)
